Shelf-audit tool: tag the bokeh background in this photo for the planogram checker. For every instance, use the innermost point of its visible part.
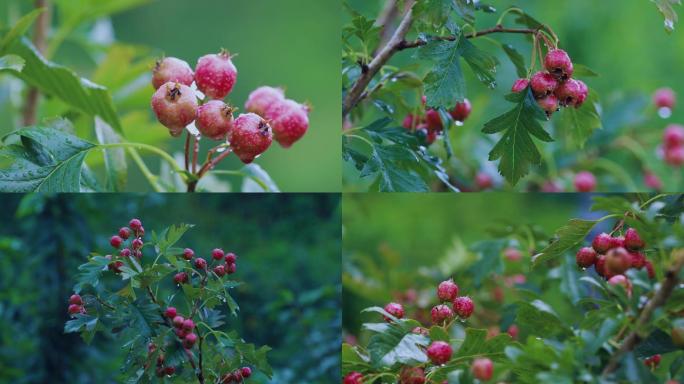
(289, 249)
(623, 41)
(293, 44)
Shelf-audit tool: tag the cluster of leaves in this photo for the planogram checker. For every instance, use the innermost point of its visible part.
(97, 115)
(568, 323)
(130, 306)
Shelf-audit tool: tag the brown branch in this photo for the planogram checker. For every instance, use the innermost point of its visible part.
(634, 338)
(386, 19)
(40, 41)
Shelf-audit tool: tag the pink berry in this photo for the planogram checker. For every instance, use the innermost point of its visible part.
(125, 252)
(412, 375)
(601, 266)
(178, 321)
(586, 257)
(675, 156)
(439, 352)
(569, 93)
(137, 243)
(220, 270)
(664, 98)
(482, 369)
(74, 309)
(618, 260)
(513, 331)
(638, 260)
(188, 254)
(463, 306)
(585, 182)
(673, 136)
(543, 84)
(251, 137)
(548, 104)
(617, 242)
(189, 340)
(520, 85)
(410, 121)
(513, 254)
(180, 332)
(262, 98)
(170, 312)
(115, 241)
(175, 106)
(602, 243)
(188, 325)
(461, 110)
(653, 361)
(200, 263)
(652, 181)
(124, 233)
(215, 75)
(231, 258)
(447, 290)
(246, 372)
(433, 120)
(217, 254)
(289, 120)
(215, 119)
(440, 314)
(353, 378)
(181, 278)
(230, 268)
(75, 299)
(558, 63)
(173, 70)
(623, 281)
(633, 240)
(583, 93)
(135, 224)
(483, 181)
(394, 309)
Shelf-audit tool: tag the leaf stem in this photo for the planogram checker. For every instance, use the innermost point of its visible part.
(151, 178)
(149, 148)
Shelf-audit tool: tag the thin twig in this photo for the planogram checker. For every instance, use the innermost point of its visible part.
(195, 151)
(187, 152)
(40, 41)
(484, 32)
(661, 296)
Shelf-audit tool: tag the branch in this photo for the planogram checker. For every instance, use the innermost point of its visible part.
(40, 41)
(497, 29)
(668, 285)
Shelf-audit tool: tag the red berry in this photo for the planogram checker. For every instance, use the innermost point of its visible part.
(262, 98)
(411, 121)
(175, 106)
(653, 361)
(215, 75)
(675, 156)
(664, 98)
(74, 309)
(125, 252)
(569, 93)
(217, 254)
(548, 104)
(433, 120)
(585, 182)
(124, 233)
(483, 181)
(441, 313)
(170, 312)
(230, 268)
(75, 299)
(137, 243)
(439, 352)
(623, 281)
(586, 257)
(618, 261)
(115, 241)
(583, 93)
(170, 370)
(251, 137)
(231, 258)
(513, 254)
(246, 372)
(520, 85)
(412, 375)
(461, 110)
(558, 63)
(602, 243)
(447, 290)
(673, 136)
(188, 254)
(189, 340)
(482, 369)
(135, 224)
(178, 321)
(215, 119)
(141, 231)
(353, 378)
(394, 309)
(115, 266)
(638, 259)
(652, 181)
(289, 121)
(543, 84)
(188, 325)
(200, 263)
(219, 270)
(463, 306)
(180, 278)
(601, 266)
(513, 331)
(633, 240)
(174, 70)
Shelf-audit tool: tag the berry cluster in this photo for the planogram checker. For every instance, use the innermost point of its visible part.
(665, 100)
(183, 327)
(134, 232)
(162, 368)
(237, 376)
(652, 362)
(76, 305)
(176, 106)
(447, 291)
(555, 86)
(673, 145)
(428, 126)
(226, 264)
(612, 256)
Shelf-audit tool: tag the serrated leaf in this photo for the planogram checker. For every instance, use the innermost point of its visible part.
(516, 58)
(516, 149)
(565, 238)
(90, 272)
(144, 317)
(578, 124)
(444, 84)
(397, 344)
(169, 237)
(391, 167)
(115, 158)
(19, 28)
(86, 324)
(482, 63)
(538, 319)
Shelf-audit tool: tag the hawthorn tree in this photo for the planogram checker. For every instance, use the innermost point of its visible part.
(428, 97)
(529, 307)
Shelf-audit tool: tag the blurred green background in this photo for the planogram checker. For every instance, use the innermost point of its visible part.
(289, 247)
(623, 41)
(293, 44)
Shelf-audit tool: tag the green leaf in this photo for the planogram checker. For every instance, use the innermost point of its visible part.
(516, 149)
(666, 8)
(444, 84)
(63, 83)
(489, 260)
(86, 323)
(482, 63)
(517, 60)
(169, 237)
(91, 272)
(115, 158)
(397, 344)
(20, 28)
(11, 62)
(658, 342)
(581, 70)
(144, 317)
(538, 319)
(353, 360)
(565, 238)
(257, 179)
(49, 161)
(578, 124)
(389, 165)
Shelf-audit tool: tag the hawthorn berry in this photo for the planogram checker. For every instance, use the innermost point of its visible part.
(189, 340)
(178, 321)
(623, 281)
(188, 325)
(601, 266)
(569, 93)
(482, 369)
(440, 314)
(200, 263)
(394, 309)
(246, 372)
(602, 243)
(411, 121)
(653, 361)
(520, 85)
(172, 69)
(230, 268)
(188, 254)
(217, 254)
(220, 270)
(215, 120)
(543, 84)
(135, 224)
(586, 257)
(262, 98)
(461, 110)
(652, 181)
(585, 182)
(558, 63)
(664, 98)
(231, 258)
(141, 231)
(433, 120)
(618, 260)
(439, 352)
(638, 259)
(633, 240)
(215, 75)
(170, 370)
(137, 243)
(412, 375)
(75, 299)
(548, 104)
(583, 93)
(673, 136)
(115, 266)
(513, 331)
(170, 312)
(463, 306)
(483, 180)
(353, 378)
(74, 309)
(289, 121)
(175, 106)
(124, 233)
(116, 241)
(251, 137)
(512, 254)
(181, 278)
(447, 290)
(675, 156)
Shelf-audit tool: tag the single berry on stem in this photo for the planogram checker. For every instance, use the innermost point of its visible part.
(447, 290)
(586, 257)
(463, 306)
(585, 182)
(215, 75)
(217, 254)
(175, 106)
(558, 63)
(251, 137)
(188, 254)
(394, 309)
(262, 98)
(461, 111)
(215, 120)
(439, 352)
(482, 369)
